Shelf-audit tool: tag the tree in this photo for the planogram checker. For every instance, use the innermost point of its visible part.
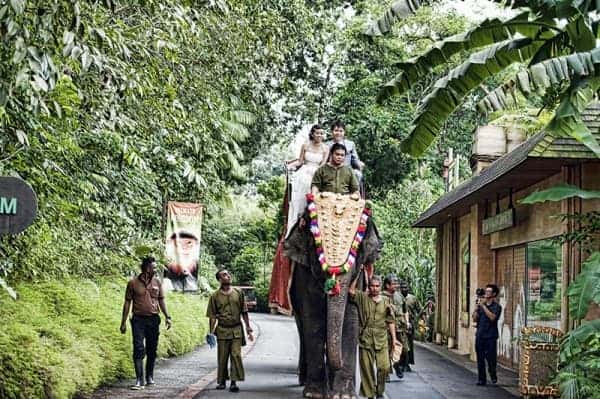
(409, 253)
(560, 57)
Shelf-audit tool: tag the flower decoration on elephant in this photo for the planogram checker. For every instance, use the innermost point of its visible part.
(337, 228)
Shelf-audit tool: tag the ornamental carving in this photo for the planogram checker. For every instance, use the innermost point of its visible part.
(339, 216)
(539, 361)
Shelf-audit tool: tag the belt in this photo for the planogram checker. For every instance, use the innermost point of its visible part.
(230, 326)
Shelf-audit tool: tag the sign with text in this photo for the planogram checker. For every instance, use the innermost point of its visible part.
(182, 244)
(18, 205)
(501, 221)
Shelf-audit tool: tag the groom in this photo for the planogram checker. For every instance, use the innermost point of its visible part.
(338, 132)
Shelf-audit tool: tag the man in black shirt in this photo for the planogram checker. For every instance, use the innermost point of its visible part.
(486, 316)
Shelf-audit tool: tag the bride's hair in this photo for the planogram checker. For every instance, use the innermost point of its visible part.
(313, 129)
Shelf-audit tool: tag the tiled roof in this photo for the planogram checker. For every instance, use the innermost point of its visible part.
(541, 145)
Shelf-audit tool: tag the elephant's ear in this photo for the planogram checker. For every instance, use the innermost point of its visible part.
(300, 246)
(371, 245)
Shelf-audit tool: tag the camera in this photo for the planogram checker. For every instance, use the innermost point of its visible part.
(480, 293)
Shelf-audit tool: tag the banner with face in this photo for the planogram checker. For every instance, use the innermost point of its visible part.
(182, 244)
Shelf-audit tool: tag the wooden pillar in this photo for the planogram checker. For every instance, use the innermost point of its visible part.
(571, 252)
(438, 279)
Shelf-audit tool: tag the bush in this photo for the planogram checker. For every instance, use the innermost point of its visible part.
(60, 339)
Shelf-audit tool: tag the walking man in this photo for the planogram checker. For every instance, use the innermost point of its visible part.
(146, 293)
(376, 319)
(401, 320)
(226, 308)
(412, 308)
(486, 316)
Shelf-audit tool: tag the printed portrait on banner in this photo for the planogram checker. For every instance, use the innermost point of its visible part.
(182, 245)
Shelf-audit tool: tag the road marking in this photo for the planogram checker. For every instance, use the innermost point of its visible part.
(200, 385)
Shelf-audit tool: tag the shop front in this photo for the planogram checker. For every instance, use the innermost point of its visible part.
(485, 235)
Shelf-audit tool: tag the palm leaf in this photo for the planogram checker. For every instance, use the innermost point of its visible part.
(585, 288)
(559, 193)
(574, 342)
(397, 11)
(488, 32)
(450, 91)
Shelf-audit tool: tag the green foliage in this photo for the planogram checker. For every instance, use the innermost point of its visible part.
(558, 193)
(62, 339)
(531, 37)
(377, 130)
(397, 11)
(246, 264)
(408, 252)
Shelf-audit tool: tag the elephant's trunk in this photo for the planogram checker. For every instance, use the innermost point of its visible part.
(336, 308)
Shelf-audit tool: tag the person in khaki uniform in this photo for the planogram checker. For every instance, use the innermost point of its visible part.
(145, 294)
(401, 320)
(226, 307)
(413, 309)
(376, 317)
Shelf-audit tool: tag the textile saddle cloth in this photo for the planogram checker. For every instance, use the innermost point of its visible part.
(338, 216)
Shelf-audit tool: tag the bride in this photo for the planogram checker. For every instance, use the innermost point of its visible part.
(312, 155)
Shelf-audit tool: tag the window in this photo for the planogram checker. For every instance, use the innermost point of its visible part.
(544, 281)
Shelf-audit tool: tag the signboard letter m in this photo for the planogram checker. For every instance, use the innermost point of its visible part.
(8, 206)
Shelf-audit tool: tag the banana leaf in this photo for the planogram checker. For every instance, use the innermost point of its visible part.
(541, 76)
(450, 91)
(488, 32)
(559, 193)
(585, 288)
(399, 10)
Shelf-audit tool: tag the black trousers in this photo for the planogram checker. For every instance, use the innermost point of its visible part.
(145, 328)
(486, 352)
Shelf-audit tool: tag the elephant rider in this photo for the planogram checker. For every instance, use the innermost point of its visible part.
(376, 317)
(413, 309)
(334, 176)
(401, 317)
(227, 306)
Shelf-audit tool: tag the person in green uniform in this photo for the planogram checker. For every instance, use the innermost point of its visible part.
(413, 310)
(400, 317)
(334, 176)
(376, 318)
(226, 307)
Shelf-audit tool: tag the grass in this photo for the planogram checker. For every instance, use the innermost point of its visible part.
(62, 339)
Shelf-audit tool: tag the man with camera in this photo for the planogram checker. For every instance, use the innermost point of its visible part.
(486, 315)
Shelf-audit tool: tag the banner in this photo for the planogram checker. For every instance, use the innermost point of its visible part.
(182, 245)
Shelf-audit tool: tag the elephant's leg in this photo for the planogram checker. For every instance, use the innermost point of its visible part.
(342, 380)
(298, 314)
(311, 319)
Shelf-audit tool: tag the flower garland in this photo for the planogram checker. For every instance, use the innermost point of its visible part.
(332, 286)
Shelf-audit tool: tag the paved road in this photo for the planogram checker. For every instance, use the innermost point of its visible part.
(434, 377)
(270, 365)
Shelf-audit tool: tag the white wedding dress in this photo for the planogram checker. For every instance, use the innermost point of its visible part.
(301, 186)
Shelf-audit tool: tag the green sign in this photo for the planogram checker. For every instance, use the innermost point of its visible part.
(18, 205)
(503, 220)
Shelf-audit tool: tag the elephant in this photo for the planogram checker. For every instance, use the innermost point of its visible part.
(328, 325)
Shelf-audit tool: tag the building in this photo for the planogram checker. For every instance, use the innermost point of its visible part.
(484, 235)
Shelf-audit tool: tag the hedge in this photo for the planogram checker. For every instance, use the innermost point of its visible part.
(62, 339)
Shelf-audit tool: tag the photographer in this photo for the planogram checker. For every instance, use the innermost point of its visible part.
(486, 316)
